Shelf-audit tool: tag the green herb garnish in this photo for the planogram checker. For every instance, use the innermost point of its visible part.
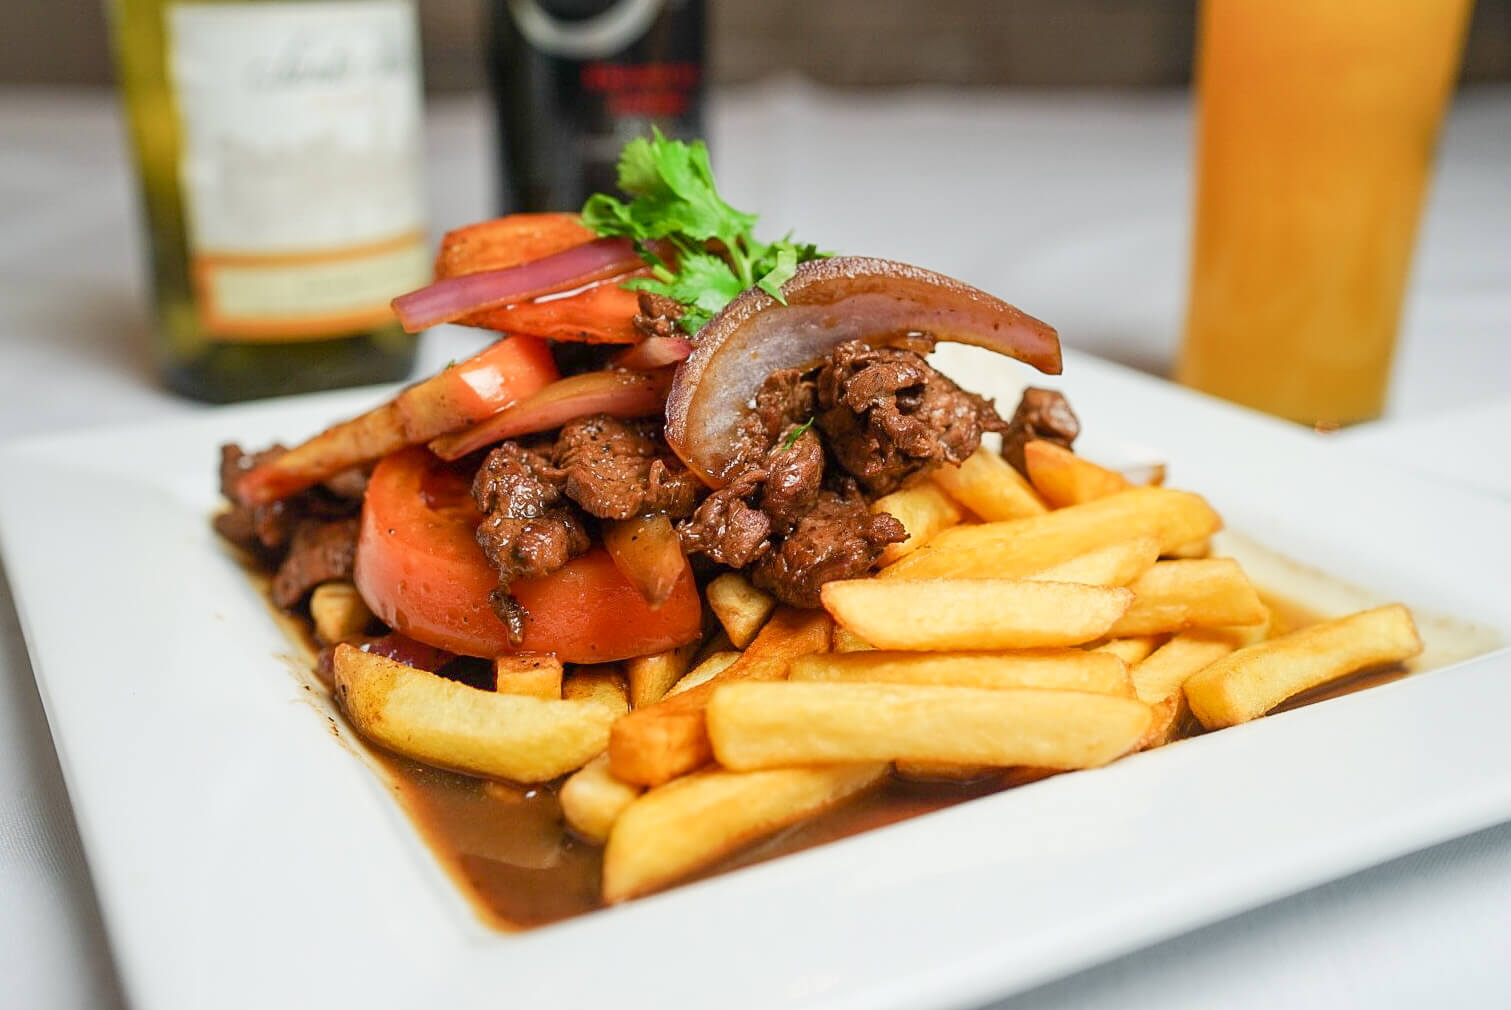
(674, 199)
(796, 434)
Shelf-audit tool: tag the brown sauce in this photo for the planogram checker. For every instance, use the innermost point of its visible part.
(509, 850)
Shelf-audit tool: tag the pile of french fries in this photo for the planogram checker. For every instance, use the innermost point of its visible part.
(1036, 625)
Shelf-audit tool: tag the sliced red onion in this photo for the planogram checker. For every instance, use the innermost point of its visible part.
(655, 352)
(455, 297)
(619, 394)
(829, 302)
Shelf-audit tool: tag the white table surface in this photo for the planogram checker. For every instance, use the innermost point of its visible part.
(1073, 206)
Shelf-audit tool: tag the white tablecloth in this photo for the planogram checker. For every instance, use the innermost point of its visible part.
(1074, 206)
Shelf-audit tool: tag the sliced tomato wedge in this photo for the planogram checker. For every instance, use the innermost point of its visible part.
(600, 313)
(421, 571)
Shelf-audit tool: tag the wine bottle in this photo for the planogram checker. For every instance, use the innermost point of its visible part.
(279, 152)
(573, 80)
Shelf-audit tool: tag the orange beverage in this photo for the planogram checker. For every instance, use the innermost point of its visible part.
(1317, 123)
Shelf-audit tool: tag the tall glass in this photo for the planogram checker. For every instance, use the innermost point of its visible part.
(1317, 123)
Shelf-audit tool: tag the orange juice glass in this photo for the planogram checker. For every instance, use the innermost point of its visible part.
(1317, 121)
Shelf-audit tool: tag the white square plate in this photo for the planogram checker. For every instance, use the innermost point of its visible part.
(245, 858)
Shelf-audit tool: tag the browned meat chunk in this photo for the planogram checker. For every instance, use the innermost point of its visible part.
(267, 530)
(838, 538)
(658, 316)
(888, 415)
(620, 469)
(528, 527)
(784, 400)
(319, 552)
(726, 527)
(1041, 414)
(782, 519)
(794, 475)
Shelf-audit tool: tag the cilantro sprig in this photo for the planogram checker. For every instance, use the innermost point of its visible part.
(673, 199)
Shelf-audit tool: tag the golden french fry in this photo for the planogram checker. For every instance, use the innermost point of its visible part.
(1248, 683)
(1172, 721)
(1173, 595)
(704, 672)
(988, 485)
(446, 723)
(846, 640)
(651, 677)
(601, 685)
(1049, 669)
(923, 510)
(532, 673)
(592, 799)
(1195, 549)
(686, 825)
(1062, 478)
(338, 612)
(974, 614)
(1158, 680)
(1131, 649)
(656, 744)
(755, 725)
(1022, 547)
(740, 607)
(1115, 564)
(1169, 666)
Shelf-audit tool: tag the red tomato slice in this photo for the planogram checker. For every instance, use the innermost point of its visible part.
(420, 570)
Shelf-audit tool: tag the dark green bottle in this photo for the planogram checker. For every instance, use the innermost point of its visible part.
(279, 149)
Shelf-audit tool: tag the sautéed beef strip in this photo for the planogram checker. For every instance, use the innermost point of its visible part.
(529, 528)
(616, 469)
(320, 551)
(1042, 414)
(889, 415)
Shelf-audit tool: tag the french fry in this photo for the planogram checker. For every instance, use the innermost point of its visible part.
(973, 614)
(1168, 667)
(1131, 649)
(923, 510)
(773, 725)
(1022, 547)
(684, 826)
(601, 685)
(740, 607)
(592, 799)
(1062, 478)
(1115, 564)
(651, 677)
(1195, 549)
(988, 485)
(338, 611)
(704, 672)
(656, 744)
(446, 723)
(1173, 595)
(534, 674)
(846, 640)
(1248, 683)
(1048, 669)
(1159, 678)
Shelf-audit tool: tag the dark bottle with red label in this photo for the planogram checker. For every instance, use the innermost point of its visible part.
(573, 80)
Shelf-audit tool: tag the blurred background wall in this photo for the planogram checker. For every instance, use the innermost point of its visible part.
(1047, 43)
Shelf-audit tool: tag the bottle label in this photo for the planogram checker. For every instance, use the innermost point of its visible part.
(301, 163)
